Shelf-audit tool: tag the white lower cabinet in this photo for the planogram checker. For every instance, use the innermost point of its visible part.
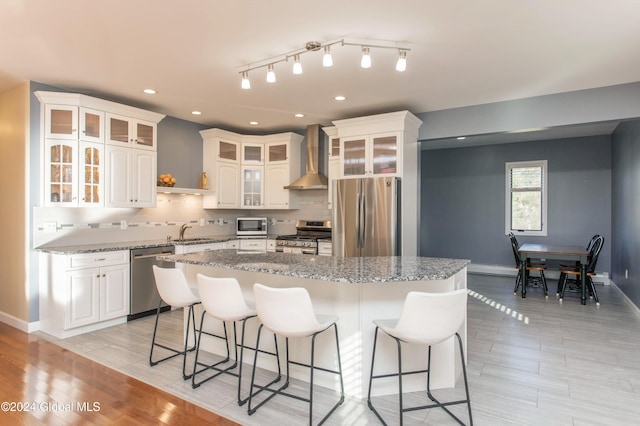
(84, 292)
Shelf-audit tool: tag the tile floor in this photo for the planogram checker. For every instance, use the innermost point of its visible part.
(531, 361)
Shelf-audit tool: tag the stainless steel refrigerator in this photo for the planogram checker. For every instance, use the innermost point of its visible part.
(366, 217)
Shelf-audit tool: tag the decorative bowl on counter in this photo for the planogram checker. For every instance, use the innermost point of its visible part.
(166, 180)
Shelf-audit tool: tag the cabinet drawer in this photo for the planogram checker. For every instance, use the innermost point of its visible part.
(204, 247)
(259, 245)
(232, 244)
(88, 260)
(271, 245)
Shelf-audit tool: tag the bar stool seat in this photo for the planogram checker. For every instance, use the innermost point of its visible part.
(175, 291)
(426, 319)
(222, 300)
(288, 312)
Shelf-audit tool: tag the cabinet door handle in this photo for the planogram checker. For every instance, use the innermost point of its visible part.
(102, 259)
(104, 275)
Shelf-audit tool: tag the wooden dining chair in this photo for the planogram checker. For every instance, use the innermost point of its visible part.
(565, 273)
(532, 281)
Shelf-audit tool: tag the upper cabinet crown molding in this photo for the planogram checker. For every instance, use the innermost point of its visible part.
(76, 99)
(403, 121)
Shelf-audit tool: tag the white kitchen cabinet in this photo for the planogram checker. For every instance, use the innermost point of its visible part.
(253, 245)
(282, 166)
(130, 177)
(232, 244)
(73, 173)
(386, 145)
(123, 130)
(194, 248)
(252, 153)
(371, 155)
(73, 122)
(271, 246)
(334, 162)
(78, 169)
(252, 186)
(84, 292)
(250, 171)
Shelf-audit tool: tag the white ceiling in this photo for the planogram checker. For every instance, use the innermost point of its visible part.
(191, 51)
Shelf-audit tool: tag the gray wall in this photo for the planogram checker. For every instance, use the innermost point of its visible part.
(180, 150)
(463, 196)
(625, 209)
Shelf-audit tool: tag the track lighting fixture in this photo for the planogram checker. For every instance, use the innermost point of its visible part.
(327, 60)
(297, 66)
(246, 84)
(271, 75)
(365, 62)
(401, 65)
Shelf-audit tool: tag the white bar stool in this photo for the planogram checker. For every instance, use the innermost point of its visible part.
(175, 291)
(426, 319)
(222, 300)
(288, 312)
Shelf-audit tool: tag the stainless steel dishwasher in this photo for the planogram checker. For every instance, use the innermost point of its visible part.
(144, 297)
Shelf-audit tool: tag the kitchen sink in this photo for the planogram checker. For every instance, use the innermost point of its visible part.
(186, 240)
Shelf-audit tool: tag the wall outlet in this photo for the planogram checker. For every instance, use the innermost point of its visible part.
(220, 221)
(50, 227)
(202, 222)
(123, 224)
(626, 274)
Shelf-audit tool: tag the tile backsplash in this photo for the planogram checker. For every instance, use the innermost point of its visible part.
(68, 226)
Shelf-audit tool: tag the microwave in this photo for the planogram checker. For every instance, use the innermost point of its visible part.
(251, 226)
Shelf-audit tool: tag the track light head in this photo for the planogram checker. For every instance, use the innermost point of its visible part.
(365, 62)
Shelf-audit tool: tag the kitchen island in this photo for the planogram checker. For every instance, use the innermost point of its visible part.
(357, 290)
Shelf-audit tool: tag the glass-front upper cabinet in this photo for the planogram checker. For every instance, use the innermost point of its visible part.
(91, 125)
(385, 155)
(354, 155)
(91, 171)
(61, 122)
(252, 153)
(370, 155)
(334, 148)
(124, 130)
(60, 174)
(277, 153)
(252, 187)
(228, 151)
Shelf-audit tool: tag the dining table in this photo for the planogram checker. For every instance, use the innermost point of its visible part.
(560, 252)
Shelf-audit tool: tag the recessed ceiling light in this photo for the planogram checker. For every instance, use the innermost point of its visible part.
(299, 115)
(196, 113)
(150, 91)
(339, 98)
(253, 123)
(461, 138)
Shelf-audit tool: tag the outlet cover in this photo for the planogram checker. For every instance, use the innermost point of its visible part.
(123, 224)
(50, 227)
(202, 223)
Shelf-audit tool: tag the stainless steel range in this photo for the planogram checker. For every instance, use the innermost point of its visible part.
(305, 240)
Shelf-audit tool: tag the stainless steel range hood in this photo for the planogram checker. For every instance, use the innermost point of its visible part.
(312, 178)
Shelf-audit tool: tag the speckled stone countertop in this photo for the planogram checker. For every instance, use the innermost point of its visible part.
(128, 245)
(339, 269)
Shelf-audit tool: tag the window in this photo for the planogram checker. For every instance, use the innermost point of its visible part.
(526, 198)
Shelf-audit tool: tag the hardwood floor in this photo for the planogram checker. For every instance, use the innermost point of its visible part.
(531, 361)
(43, 383)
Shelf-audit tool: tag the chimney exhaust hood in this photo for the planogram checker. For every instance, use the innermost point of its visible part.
(312, 179)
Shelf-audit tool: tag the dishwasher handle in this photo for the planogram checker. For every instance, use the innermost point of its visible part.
(146, 256)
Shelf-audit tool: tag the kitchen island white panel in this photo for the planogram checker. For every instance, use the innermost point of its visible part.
(357, 290)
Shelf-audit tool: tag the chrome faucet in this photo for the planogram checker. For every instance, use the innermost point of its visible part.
(182, 229)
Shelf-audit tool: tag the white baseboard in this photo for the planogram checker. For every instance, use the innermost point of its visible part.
(629, 302)
(510, 271)
(27, 327)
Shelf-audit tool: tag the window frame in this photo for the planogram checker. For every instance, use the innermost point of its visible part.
(545, 189)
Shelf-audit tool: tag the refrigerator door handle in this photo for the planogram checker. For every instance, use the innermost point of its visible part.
(363, 219)
(358, 217)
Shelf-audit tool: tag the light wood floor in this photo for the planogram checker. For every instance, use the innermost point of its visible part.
(531, 361)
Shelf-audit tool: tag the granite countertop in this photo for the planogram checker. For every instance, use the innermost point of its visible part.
(128, 245)
(338, 269)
